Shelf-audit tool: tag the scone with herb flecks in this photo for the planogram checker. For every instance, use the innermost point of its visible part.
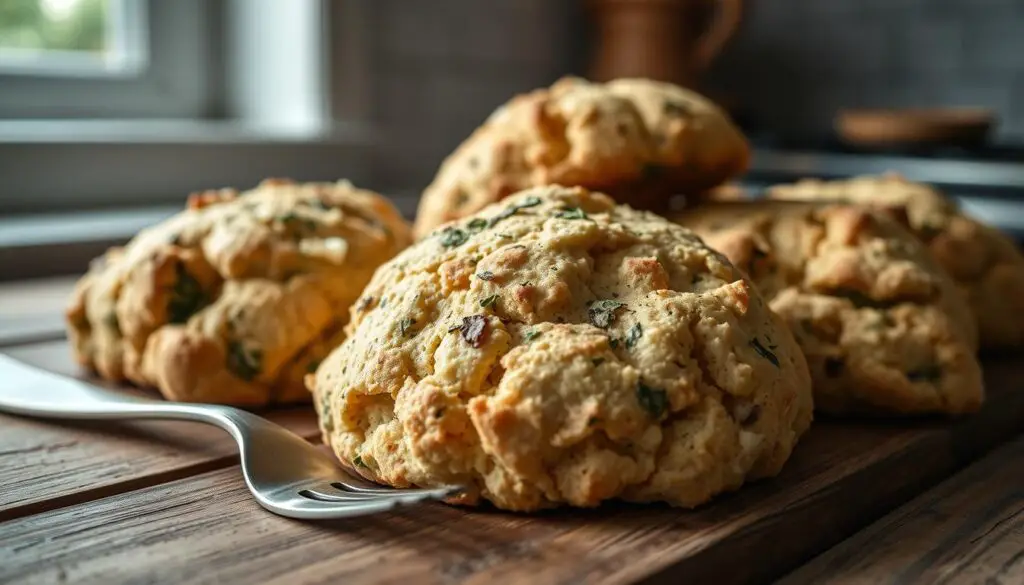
(558, 349)
(987, 265)
(638, 140)
(883, 327)
(235, 299)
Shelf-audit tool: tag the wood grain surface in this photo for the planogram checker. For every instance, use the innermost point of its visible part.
(48, 464)
(969, 529)
(206, 528)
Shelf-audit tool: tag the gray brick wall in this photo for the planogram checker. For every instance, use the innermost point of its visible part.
(441, 66)
(797, 61)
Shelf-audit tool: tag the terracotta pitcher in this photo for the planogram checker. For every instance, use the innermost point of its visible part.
(667, 40)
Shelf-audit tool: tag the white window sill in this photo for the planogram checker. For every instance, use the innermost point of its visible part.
(177, 132)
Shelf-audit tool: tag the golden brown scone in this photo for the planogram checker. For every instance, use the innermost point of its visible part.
(640, 141)
(883, 327)
(235, 299)
(987, 266)
(559, 349)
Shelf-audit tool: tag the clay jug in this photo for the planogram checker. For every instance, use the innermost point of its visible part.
(666, 40)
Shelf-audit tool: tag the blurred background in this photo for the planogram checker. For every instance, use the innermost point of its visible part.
(112, 110)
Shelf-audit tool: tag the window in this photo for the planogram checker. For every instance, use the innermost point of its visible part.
(70, 37)
(138, 102)
(107, 58)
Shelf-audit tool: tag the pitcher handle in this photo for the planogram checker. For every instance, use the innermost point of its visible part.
(723, 27)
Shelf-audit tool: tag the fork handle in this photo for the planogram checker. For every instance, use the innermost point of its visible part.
(30, 391)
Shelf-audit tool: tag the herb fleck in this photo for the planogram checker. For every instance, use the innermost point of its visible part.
(111, 321)
(312, 366)
(602, 313)
(452, 237)
(673, 108)
(861, 300)
(405, 325)
(513, 209)
(929, 373)
(597, 361)
(186, 298)
(653, 400)
(244, 362)
(635, 333)
(476, 225)
(474, 329)
(764, 352)
(358, 461)
(485, 275)
(613, 343)
(531, 335)
(571, 213)
(592, 421)
(489, 301)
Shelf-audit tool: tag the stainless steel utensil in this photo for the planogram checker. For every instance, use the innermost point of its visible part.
(286, 474)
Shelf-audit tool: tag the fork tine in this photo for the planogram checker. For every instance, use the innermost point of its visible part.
(358, 489)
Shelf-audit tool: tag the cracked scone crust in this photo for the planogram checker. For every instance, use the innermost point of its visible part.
(883, 328)
(557, 349)
(640, 141)
(238, 297)
(987, 265)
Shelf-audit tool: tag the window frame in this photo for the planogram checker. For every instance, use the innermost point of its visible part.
(170, 71)
(321, 130)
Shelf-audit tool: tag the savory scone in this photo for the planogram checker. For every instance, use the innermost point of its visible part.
(883, 328)
(640, 141)
(235, 299)
(988, 266)
(559, 349)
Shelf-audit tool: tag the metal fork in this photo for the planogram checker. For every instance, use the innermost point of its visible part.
(286, 474)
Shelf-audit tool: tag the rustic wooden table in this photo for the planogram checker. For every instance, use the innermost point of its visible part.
(163, 502)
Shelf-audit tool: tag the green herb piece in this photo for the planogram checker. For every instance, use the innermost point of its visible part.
(111, 321)
(513, 209)
(673, 108)
(187, 297)
(592, 421)
(571, 213)
(485, 275)
(452, 237)
(764, 352)
(405, 325)
(489, 301)
(602, 313)
(476, 225)
(861, 300)
(929, 373)
(653, 400)
(613, 343)
(525, 283)
(531, 335)
(312, 366)
(635, 333)
(474, 330)
(597, 361)
(358, 462)
(244, 362)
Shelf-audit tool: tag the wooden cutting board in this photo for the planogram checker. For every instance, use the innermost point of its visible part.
(141, 501)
